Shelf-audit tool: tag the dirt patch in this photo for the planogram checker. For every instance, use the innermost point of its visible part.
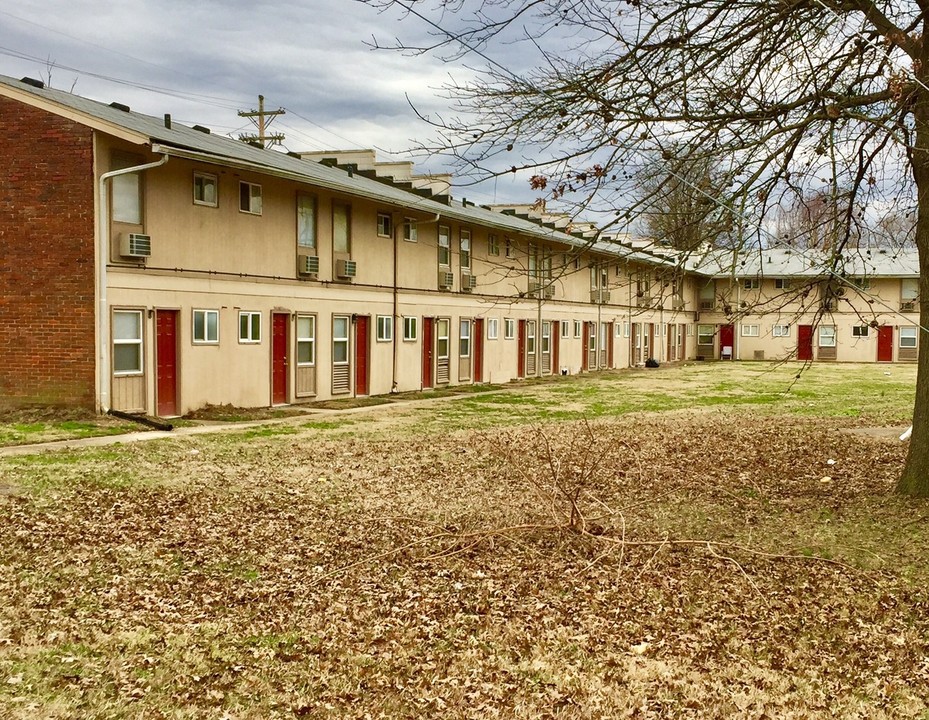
(880, 433)
(231, 413)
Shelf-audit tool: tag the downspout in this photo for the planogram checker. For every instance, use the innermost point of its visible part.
(103, 315)
(396, 312)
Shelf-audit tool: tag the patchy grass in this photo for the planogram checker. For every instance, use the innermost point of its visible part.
(717, 564)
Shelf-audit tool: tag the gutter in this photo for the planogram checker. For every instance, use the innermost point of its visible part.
(103, 315)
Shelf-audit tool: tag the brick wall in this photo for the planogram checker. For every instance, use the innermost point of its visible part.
(46, 259)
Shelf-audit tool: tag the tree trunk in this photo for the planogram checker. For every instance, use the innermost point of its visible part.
(915, 478)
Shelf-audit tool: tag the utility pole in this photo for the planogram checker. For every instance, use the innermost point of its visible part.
(258, 120)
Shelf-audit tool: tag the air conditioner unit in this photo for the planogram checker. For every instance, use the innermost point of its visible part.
(707, 304)
(594, 296)
(135, 245)
(908, 305)
(534, 289)
(468, 281)
(308, 264)
(678, 304)
(644, 301)
(345, 268)
(604, 296)
(549, 292)
(446, 279)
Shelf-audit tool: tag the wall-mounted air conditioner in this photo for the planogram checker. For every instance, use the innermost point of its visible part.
(908, 305)
(446, 279)
(345, 268)
(135, 245)
(308, 264)
(468, 281)
(549, 292)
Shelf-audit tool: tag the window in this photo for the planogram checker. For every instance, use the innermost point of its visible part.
(340, 340)
(205, 190)
(530, 337)
(206, 327)
(441, 334)
(509, 328)
(782, 283)
(509, 248)
(493, 328)
(127, 190)
(860, 331)
(625, 329)
(909, 292)
(384, 225)
(546, 337)
(751, 283)
(705, 334)
(306, 340)
(908, 337)
(493, 245)
(249, 327)
(341, 228)
(465, 244)
(827, 336)
(464, 338)
(249, 198)
(780, 331)
(127, 342)
(409, 329)
(444, 245)
(306, 221)
(618, 330)
(618, 271)
(565, 328)
(690, 330)
(409, 230)
(750, 331)
(577, 328)
(385, 328)
(862, 283)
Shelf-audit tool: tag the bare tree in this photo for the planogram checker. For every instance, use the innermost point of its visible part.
(802, 95)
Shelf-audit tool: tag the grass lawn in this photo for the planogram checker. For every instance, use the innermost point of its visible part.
(707, 541)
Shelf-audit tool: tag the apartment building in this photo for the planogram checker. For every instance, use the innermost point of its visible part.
(150, 267)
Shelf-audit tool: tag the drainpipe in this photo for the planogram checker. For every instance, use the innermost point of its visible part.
(398, 228)
(103, 315)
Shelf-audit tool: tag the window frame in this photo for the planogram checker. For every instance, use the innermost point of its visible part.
(861, 331)
(384, 325)
(751, 283)
(306, 340)
(137, 342)
(410, 328)
(442, 337)
(702, 334)
(911, 334)
(206, 340)
(341, 248)
(464, 337)
(826, 336)
(750, 330)
(493, 246)
(339, 341)
(782, 283)
(493, 328)
(509, 329)
(252, 198)
(509, 248)
(565, 329)
(464, 248)
(410, 230)
(252, 315)
(215, 182)
(444, 246)
(384, 225)
(578, 329)
(308, 243)
(780, 330)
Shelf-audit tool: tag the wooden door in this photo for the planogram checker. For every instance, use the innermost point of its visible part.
(166, 360)
(521, 350)
(428, 350)
(279, 325)
(885, 343)
(478, 340)
(361, 354)
(727, 342)
(804, 342)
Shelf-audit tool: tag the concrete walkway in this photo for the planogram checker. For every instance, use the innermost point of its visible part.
(306, 415)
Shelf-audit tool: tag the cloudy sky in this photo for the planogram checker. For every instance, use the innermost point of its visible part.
(203, 61)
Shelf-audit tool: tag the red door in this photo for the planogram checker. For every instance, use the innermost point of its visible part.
(279, 323)
(428, 349)
(585, 344)
(885, 343)
(804, 342)
(361, 355)
(727, 340)
(478, 350)
(556, 347)
(166, 360)
(521, 350)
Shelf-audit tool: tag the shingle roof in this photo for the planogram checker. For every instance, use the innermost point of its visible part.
(792, 262)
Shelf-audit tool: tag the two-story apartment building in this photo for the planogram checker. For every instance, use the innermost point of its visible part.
(150, 267)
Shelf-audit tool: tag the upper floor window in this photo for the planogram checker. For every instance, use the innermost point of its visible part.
(751, 283)
(205, 189)
(384, 225)
(445, 255)
(465, 256)
(306, 221)
(249, 198)
(493, 245)
(409, 230)
(509, 248)
(909, 289)
(341, 228)
(782, 283)
(127, 191)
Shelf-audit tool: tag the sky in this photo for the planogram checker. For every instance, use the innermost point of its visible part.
(202, 62)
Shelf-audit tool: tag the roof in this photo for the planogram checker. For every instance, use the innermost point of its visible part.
(181, 141)
(794, 262)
